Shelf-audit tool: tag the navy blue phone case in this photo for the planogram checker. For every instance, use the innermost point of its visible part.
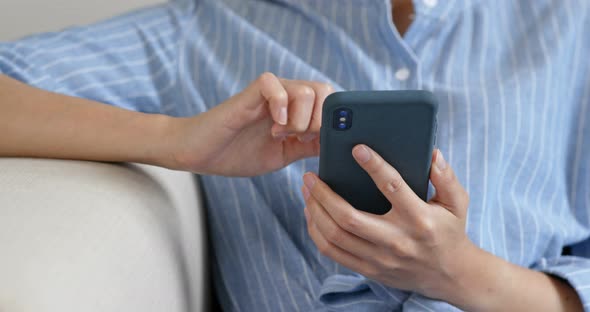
(399, 125)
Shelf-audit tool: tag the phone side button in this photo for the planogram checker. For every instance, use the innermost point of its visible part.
(435, 130)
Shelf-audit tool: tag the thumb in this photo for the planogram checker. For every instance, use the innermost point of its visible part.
(449, 192)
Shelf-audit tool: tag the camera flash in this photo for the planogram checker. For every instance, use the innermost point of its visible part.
(342, 119)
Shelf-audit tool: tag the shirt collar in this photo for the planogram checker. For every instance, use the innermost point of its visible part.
(439, 9)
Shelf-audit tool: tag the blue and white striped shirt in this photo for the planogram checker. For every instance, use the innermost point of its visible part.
(512, 78)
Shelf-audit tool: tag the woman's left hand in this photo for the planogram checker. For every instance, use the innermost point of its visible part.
(417, 246)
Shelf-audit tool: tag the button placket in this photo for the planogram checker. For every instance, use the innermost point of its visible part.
(402, 74)
(430, 3)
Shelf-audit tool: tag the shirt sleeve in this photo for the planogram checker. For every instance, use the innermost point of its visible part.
(574, 270)
(129, 61)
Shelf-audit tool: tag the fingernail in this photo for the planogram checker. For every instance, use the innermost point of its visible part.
(308, 180)
(440, 162)
(305, 192)
(283, 116)
(361, 153)
(306, 213)
(307, 138)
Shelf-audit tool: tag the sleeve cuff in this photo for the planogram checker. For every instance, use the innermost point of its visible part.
(574, 270)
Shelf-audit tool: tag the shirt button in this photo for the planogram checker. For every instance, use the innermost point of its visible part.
(430, 3)
(402, 74)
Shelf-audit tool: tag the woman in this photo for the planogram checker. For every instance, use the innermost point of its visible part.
(512, 82)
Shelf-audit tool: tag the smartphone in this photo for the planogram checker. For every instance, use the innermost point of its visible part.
(399, 125)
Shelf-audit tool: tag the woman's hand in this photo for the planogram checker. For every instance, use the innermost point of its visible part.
(423, 247)
(416, 246)
(270, 124)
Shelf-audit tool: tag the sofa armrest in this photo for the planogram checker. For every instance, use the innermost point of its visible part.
(74, 232)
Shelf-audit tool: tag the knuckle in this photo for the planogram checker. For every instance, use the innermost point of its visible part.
(392, 244)
(335, 234)
(393, 185)
(426, 228)
(303, 92)
(324, 248)
(325, 88)
(402, 249)
(382, 261)
(370, 270)
(316, 121)
(349, 222)
(281, 96)
(265, 77)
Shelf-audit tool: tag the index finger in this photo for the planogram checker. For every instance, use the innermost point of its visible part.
(387, 179)
(362, 224)
(275, 94)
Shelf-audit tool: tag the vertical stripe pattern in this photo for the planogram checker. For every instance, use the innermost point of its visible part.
(513, 85)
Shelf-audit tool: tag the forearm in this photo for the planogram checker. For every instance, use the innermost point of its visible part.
(37, 123)
(493, 284)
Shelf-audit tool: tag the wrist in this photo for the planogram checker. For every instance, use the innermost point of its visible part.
(186, 143)
(163, 147)
(193, 143)
(489, 283)
(479, 279)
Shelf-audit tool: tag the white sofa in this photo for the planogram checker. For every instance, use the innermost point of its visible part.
(87, 236)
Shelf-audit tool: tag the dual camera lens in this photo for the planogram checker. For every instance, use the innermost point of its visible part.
(342, 119)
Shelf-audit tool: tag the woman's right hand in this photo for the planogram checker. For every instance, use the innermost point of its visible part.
(270, 124)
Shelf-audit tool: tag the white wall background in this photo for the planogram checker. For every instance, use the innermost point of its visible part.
(22, 17)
